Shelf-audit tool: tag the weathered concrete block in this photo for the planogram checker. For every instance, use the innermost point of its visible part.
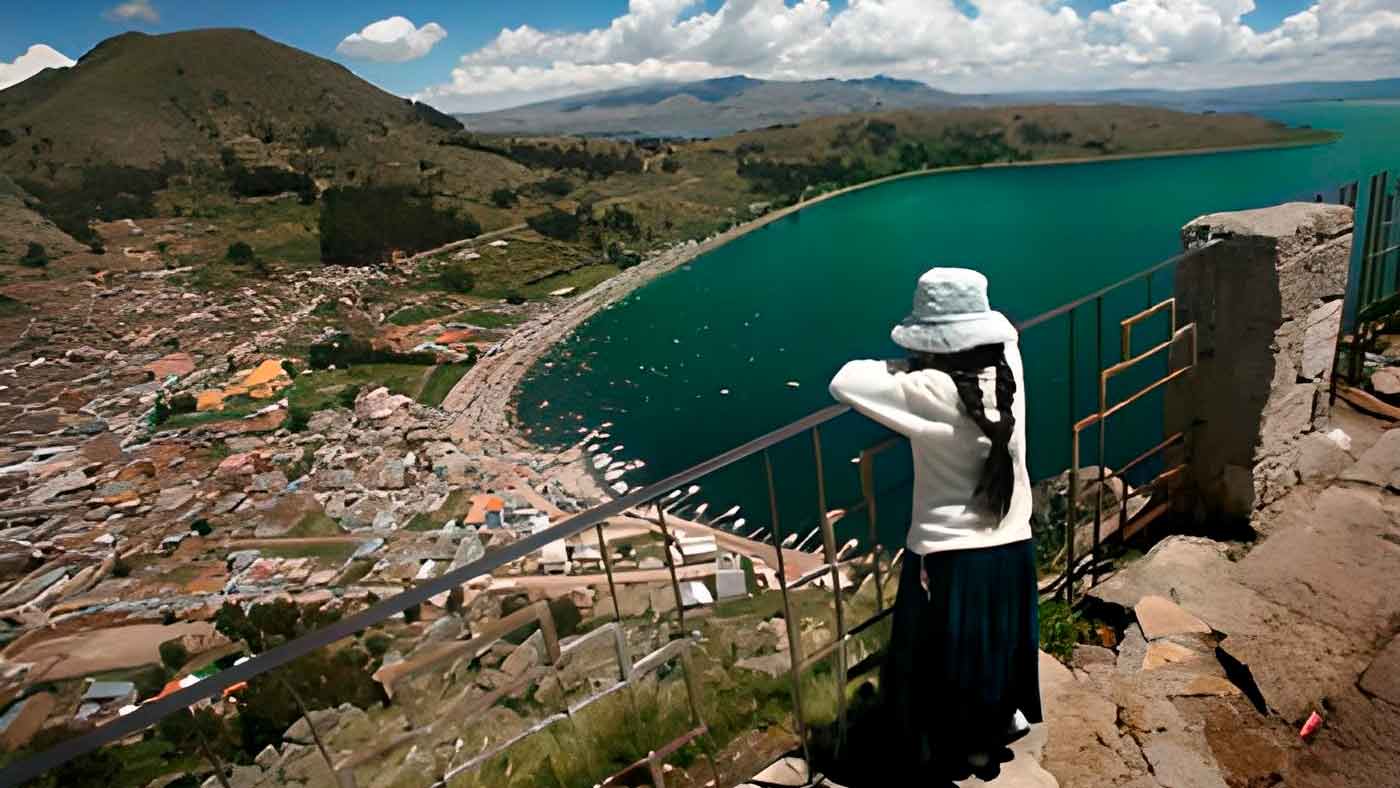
(1267, 303)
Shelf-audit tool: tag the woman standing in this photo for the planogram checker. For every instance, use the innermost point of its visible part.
(960, 680)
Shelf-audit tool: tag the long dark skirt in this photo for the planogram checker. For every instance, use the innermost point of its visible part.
(964, 656)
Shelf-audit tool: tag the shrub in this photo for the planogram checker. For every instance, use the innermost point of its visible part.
(297, 418)
(343, 351)
(378, 644)
(239, 253)
(322, 135)
(268, 181)
(457, 279)
(173, 654)
(557, 185)
(348, 395)
(515, 298)
(620, 257)
(670, 164)
(160, 412)
(555, 224)
(35, 257)
(504, 198)
(183, 403)
(366, 224)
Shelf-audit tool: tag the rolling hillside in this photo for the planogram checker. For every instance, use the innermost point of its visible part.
(713, 108)
(718, 107)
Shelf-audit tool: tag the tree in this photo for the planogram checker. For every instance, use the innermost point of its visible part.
(173, 654)
(239, 253)
(457, 278)
(555, 224)
(557, 185)
(35, 257)
(504, 198)
(365, 225)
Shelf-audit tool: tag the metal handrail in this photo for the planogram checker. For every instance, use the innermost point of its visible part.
(152, 712)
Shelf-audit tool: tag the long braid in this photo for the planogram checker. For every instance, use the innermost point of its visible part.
(998, 479)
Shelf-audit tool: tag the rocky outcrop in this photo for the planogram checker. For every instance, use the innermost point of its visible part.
(1267, 304)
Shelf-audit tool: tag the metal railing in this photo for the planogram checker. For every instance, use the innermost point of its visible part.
(1375, 288)
(835, 566)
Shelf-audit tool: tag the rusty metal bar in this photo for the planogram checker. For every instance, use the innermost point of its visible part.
(1141, 458)
(671, 564)
(867, 487)
(608, 568)
(794, 633)
(829, 548)
(1114, 370)
(1126, 328)
(1127, 323)
(1072, 512)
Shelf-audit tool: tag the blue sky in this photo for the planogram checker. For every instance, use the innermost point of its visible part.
(958, 44)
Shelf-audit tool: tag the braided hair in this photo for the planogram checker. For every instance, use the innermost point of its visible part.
(998, 474)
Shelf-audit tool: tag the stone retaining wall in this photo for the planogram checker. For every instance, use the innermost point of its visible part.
(1267, 303)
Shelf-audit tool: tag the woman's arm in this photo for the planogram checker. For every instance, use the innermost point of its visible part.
(877, 391)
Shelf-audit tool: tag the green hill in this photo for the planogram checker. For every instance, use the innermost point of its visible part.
(139, 100)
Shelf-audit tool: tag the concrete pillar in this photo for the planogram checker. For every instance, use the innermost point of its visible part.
(1267, 303)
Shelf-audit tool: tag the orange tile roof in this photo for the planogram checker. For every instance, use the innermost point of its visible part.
(481, 504)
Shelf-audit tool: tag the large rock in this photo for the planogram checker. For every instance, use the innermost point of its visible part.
(1265, 301)
(1380, 464)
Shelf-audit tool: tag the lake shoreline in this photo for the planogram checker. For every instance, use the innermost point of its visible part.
(483, 403)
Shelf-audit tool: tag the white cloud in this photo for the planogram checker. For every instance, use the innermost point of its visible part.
(135, 10)
(37, 58)
(392, 40)
(1008, 45)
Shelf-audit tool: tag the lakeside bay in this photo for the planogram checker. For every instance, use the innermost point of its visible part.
(699, 360)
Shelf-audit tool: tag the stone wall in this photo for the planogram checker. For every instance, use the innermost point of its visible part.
(1267, 303)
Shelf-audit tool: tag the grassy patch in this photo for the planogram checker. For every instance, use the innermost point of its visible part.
(9, 306)
(330, 554)
(234, 408)
(315, 524)
(484, 319)
(314, 391)
(418, 313)
(456, 506)
(440, 383)
(583, 278)
(1061, 628)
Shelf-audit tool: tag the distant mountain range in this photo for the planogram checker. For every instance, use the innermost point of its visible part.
(716, 107)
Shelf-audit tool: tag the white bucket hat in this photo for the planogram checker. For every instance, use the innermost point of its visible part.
(951, 314)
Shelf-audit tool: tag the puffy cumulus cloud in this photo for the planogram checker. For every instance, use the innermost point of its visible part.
(392, 40)
(37, 58)
(134, 11)
(1006, 45)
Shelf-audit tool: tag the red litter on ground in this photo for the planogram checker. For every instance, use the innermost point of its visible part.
(1310, 727)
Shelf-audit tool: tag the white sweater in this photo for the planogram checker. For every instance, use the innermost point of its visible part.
(949, 450)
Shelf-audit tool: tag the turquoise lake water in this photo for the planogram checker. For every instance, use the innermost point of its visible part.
(699, 360)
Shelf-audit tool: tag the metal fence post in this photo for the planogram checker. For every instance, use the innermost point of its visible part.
(1072, 510)
(608, 568)
(794, 632)
(829, 549)
(671, 565)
